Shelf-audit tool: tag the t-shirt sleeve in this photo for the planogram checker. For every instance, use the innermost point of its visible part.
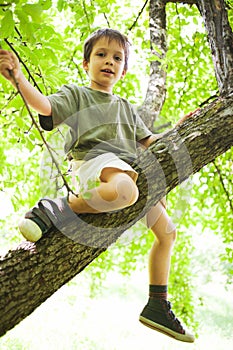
(64, 106)
(46, 122)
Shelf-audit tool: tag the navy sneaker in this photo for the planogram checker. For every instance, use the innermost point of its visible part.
(40, 219)
(157, 314)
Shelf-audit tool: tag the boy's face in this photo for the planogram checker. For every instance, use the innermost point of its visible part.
(106, 65)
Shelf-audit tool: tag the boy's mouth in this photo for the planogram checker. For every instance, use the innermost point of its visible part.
(109, 71)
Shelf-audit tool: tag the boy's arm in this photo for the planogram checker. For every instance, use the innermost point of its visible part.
(39, 102)
(150, 139)
(154, 137)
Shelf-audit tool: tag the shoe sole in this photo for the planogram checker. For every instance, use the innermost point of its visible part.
(30, 230)
(162, 329)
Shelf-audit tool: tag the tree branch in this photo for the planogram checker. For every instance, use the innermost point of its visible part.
(220, 37)
(69, 190)
(6, 5)
(223, 185)
(156, 91)
(138, 16)
(22, 62)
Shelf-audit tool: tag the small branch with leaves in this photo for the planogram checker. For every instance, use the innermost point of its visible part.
(21, 61)
(69, 190)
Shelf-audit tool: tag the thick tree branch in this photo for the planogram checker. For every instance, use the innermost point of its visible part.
(33, 272)
(220, 37)
(156, 91)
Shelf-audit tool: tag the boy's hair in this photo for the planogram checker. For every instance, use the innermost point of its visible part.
(111, 34)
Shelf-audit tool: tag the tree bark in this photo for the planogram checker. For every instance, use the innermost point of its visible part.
(156, 91)
(33, 272)
(220, 38)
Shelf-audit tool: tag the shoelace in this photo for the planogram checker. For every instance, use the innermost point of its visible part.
(177, 324)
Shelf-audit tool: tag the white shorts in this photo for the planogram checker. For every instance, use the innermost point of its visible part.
(86, 174)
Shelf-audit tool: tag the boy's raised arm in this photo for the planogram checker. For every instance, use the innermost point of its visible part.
(39, 102)
(154, 137)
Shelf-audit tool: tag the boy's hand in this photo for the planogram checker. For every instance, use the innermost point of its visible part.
(188, 115)
(9, 62)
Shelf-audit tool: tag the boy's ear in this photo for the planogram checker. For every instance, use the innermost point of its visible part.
(123, 73)
(85, 65)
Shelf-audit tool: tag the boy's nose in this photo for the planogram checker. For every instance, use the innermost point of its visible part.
(109, 61)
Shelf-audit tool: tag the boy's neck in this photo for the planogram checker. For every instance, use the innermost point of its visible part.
(101, 89)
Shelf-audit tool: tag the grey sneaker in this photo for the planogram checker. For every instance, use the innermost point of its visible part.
(157, 314)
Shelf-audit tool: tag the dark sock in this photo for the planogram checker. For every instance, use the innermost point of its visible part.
(158, 292)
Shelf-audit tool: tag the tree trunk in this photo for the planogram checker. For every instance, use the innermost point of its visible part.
(220, 38)
(156, 91)
(33, 272)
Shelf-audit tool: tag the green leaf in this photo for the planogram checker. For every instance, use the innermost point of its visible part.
(87, 195)
(60, 5)
(7, 25)
(34, 11)
(46, 4)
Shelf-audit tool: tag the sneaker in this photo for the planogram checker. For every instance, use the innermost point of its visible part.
(157, 314)
(40, 219)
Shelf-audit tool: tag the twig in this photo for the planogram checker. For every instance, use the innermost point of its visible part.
(139, 14)
(105, 16)
(161, 127)
(86, 13)
(41, 134)
(222, 183)
(21, 61)
(208, 99)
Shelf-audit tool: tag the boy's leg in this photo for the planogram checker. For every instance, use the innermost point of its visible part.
(160, 254)
(157, 314)
(117, 190)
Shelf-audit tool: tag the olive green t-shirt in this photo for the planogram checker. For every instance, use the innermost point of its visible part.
(98, 123)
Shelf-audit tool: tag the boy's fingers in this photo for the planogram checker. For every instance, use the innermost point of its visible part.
(188, 115)
(8, 62)
(191, 113)
(7, 56)
(5, 68)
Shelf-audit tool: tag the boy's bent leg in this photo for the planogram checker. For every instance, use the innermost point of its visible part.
(117, 190)
(157, 314)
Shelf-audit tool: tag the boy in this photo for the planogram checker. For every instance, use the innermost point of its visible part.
(104, 134)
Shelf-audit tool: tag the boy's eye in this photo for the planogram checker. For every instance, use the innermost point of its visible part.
(101, 54)
(117, 58)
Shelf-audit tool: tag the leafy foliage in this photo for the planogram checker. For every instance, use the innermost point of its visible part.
(48, 37)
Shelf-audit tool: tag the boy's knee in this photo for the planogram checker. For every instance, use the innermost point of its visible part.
(167, 239)
(171, 229)
(171, 235)
(127, 190)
